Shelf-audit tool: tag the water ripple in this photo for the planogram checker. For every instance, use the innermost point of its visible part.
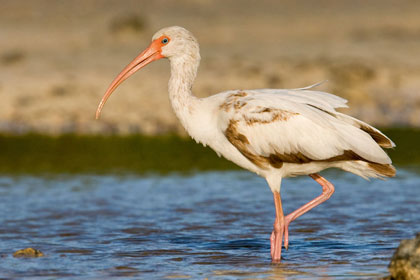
(207, 225)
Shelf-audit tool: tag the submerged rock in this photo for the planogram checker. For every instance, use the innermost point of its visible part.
(28, 253)
(405, 263)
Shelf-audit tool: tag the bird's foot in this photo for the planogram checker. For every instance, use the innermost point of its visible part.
(276, 242)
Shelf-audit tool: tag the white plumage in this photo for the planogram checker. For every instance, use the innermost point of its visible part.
(312, 128)
(275, 133)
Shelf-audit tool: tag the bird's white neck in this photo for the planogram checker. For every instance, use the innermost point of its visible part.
(184, 103)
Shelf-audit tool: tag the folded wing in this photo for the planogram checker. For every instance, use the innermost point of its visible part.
(272, 127)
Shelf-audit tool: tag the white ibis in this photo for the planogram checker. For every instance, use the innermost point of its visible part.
(275, 133)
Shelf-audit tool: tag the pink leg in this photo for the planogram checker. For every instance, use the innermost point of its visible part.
(277, 234)
(327, 191)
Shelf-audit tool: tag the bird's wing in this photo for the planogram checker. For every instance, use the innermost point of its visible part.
(323, 100)
(328, 102)
(297, 126)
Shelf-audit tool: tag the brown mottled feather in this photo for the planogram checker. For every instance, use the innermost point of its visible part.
(377, 136)
(276, 115)
(276, 160)
(240, 142)
(386, 170)
(233, 100)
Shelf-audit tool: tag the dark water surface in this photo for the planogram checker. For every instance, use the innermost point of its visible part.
(212, 225)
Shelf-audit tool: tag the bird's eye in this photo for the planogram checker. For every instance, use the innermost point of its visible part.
(165, 40)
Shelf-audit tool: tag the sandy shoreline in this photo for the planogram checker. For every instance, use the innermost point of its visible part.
(57, 58)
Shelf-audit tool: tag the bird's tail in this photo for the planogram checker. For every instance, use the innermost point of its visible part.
(368, 170)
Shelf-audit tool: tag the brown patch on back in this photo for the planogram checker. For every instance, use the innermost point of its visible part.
(378, 137)
(386, 170)
(238, 105)
(241, 142)
(276, 115)
(232, 100)
(240, 94)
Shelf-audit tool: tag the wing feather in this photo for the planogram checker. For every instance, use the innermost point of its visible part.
(298, 125)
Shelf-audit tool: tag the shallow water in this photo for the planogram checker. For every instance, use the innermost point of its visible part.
(212, 225)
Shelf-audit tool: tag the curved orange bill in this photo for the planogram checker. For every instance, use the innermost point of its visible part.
(150, 54)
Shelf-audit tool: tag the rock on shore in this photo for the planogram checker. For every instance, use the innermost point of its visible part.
(405, 263)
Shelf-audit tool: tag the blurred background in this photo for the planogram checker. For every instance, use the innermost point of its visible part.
(132, 195)
(58, 57)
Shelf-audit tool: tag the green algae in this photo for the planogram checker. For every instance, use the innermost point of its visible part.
(33, 153)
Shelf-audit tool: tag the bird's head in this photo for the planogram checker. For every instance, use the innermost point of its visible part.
(180, 42)
(174, 43)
